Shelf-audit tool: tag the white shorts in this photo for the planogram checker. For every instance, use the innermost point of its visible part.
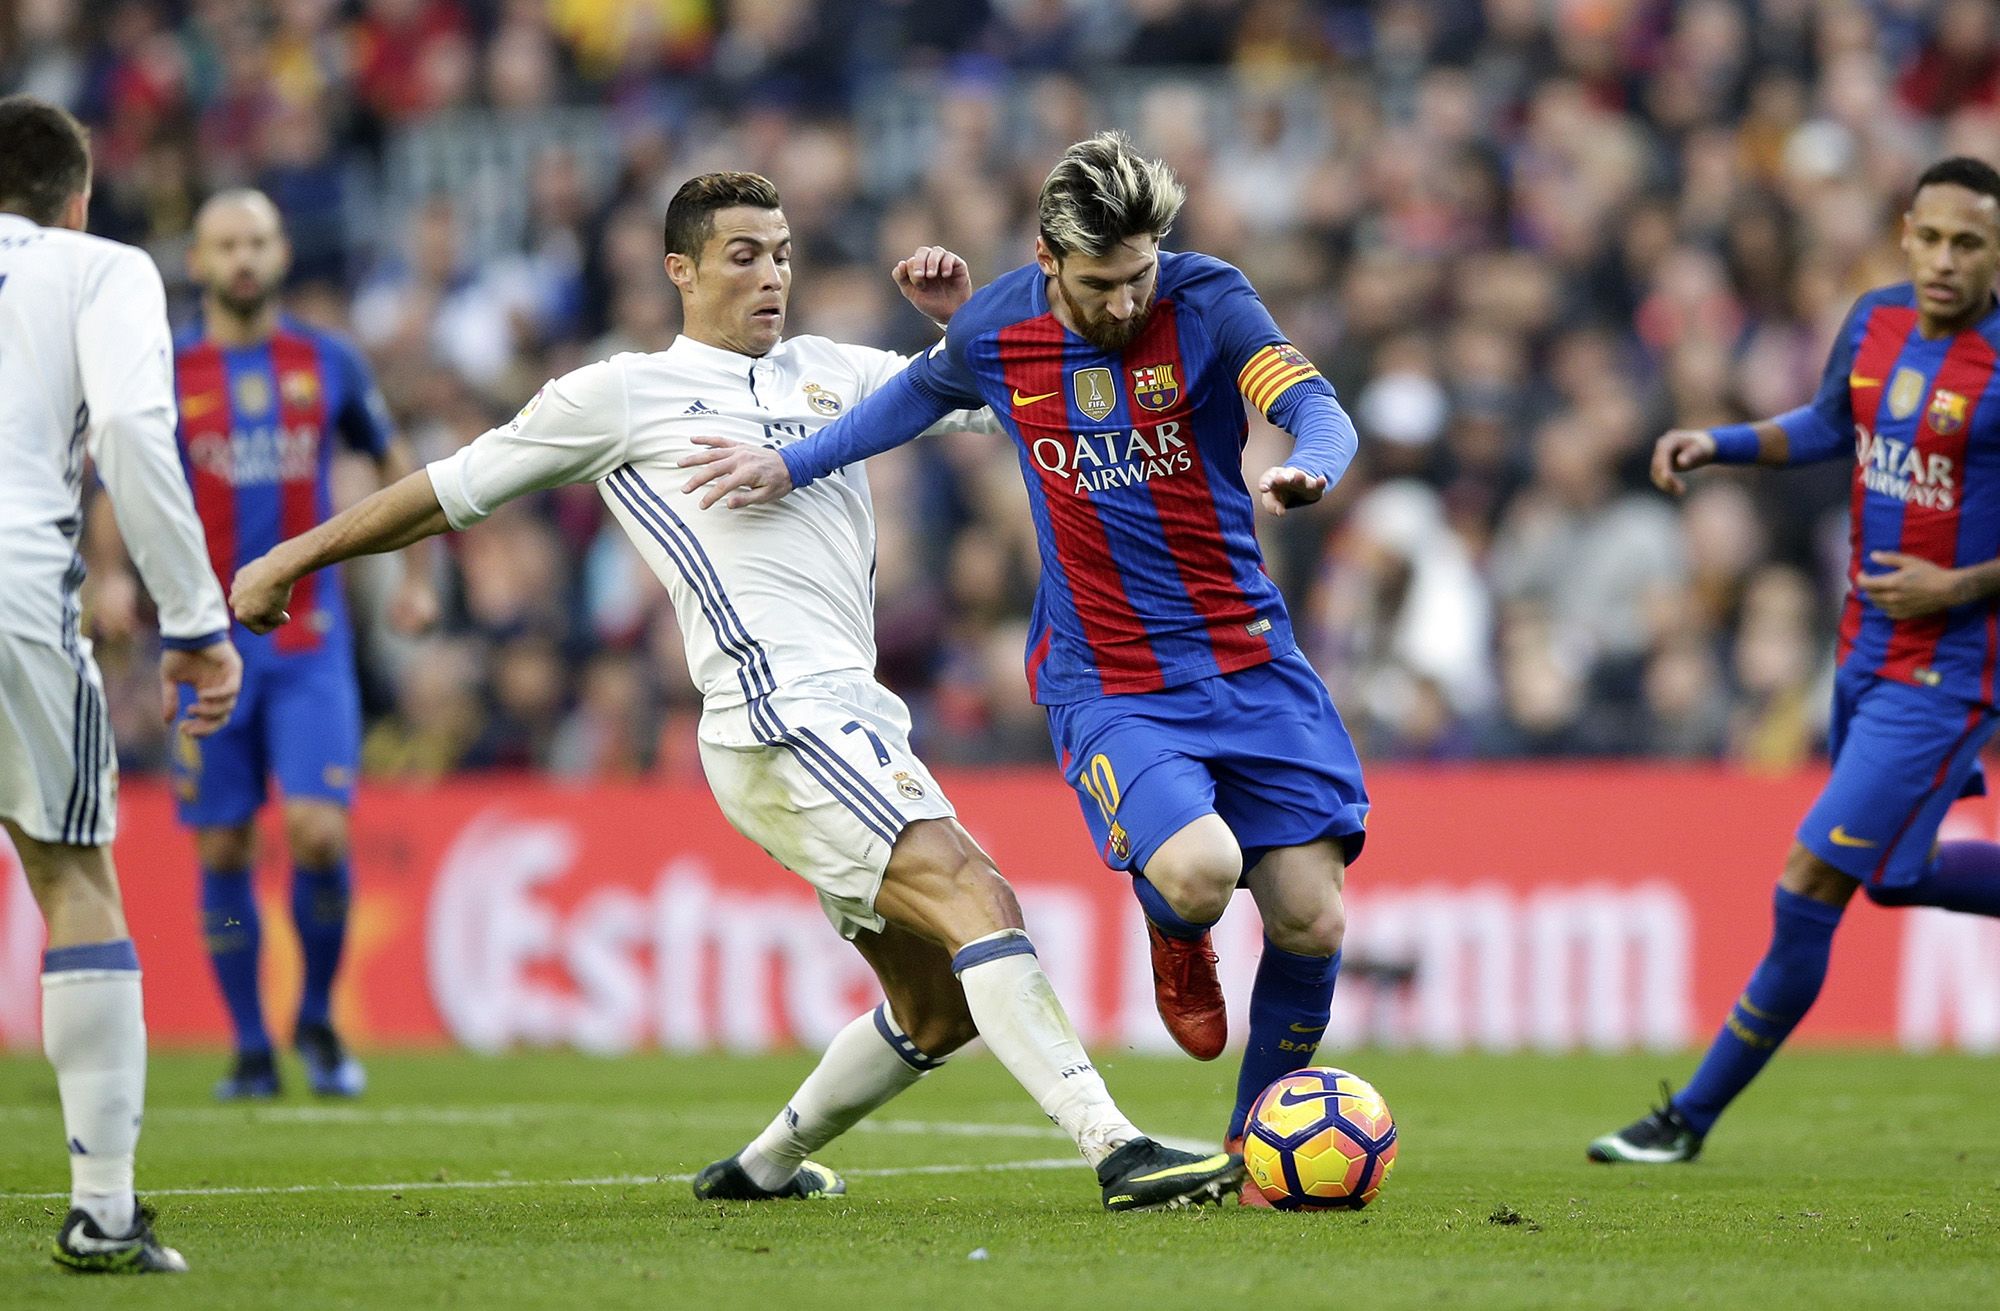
(820, 774)
(58, 769)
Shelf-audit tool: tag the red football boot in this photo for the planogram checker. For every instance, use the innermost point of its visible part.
(1251, 1195)
(1188, 993)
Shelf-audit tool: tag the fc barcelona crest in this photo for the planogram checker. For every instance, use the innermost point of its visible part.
(300, 389)
(1155, 387)
(1947, 413)
(1096, 391)
(1906, 392)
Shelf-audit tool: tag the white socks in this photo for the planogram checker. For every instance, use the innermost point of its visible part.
(868, 1063)
(1024, 1024)
(94, 1032)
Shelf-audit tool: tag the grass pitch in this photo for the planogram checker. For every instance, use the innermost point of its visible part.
(554, 1180)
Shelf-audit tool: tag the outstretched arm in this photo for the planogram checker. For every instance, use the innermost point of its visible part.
(1798, 436)
(1325, 445)
(899, 412)
(573, 431)
(406, 511)
(1819, 430)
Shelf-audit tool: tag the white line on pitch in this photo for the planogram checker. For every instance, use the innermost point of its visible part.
(607, 1181)
(509, 1114)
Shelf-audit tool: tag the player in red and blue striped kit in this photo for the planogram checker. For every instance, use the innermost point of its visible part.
(1911, 391)
(1203, 748)
(264, 402)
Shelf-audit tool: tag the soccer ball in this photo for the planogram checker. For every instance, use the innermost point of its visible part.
(1320, 1139)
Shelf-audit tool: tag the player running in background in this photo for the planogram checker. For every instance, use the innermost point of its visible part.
(1203, 748)
(84, 369)
(1911, 393)
(808, 756)
(264, 402)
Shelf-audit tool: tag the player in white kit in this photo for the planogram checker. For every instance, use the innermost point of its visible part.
(86, 366)
(808, 756)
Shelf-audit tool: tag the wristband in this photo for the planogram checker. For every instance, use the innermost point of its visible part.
(1735, 443)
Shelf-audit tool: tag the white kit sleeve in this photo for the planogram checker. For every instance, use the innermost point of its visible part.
(575, 430)
(124, 353)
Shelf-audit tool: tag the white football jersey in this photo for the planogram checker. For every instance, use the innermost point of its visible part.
(764, 595)
(86, 364)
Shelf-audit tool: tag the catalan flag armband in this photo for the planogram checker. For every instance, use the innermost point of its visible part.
(1271, 373)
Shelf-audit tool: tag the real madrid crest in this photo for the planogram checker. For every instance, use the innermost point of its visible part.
(822, 400)
(1906, 392)
(1096, 391)
(909, 786)
(1947, 412)
(253, 395)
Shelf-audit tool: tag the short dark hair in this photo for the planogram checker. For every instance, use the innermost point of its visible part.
(44, 158)
(691, 213)
(1962, 171)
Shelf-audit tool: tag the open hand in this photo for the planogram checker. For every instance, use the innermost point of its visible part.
(214, 672)
(1284, 486)
(934, 280)
(747, 475)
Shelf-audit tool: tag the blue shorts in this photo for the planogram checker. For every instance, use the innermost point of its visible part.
(1901, 756)
(298, 719)
(1262, 748)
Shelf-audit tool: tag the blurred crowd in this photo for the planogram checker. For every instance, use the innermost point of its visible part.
(1521, 237)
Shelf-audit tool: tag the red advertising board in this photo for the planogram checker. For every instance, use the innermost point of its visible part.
(1553, 907)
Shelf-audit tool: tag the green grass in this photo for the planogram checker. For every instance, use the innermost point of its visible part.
(1844, 1179)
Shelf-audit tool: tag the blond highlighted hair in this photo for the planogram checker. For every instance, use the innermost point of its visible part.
(1103, 192)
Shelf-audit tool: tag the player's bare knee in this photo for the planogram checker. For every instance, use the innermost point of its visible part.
(982, 890)
(225, 850)
(1806, 875)
(1198, 885)
(1197, 869)
(316, 835)
(940, 885)
(1309, 931)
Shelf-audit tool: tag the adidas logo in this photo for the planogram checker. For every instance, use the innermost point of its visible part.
(697, 408)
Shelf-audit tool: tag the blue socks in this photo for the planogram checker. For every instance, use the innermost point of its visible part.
(1964, 877)
(1288, 1011)
(319, 909)
(229, 923)
(1779, 994)
(1165, 918)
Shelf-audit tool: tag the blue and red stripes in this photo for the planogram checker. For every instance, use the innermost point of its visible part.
(202, 386)
(1033, 356)
(302, 484)
(1191, 522)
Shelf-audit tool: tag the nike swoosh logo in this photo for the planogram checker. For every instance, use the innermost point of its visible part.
(84, 1245)
(1020, 400)
(1856, 380)
(1202, 1166)
(1308, 1028)
(1842, 838)
(1290, 1098)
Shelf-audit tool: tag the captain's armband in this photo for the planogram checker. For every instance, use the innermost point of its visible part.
(1271, 373)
